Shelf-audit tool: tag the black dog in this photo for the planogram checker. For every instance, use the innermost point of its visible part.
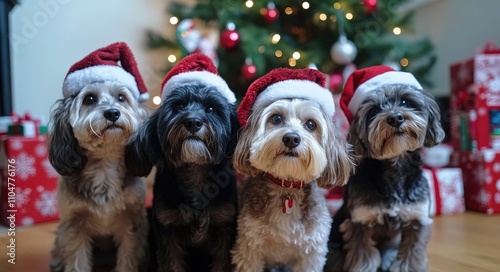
(191, 139)
(384, 222)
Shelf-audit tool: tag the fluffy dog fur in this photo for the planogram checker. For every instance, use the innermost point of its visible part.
(190, 138)
(266, 236)
(384, 222)
(96, 196)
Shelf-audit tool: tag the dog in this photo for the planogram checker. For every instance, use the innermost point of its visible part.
(384, 221)
(191, 138)
(288, 148)
(97, 199)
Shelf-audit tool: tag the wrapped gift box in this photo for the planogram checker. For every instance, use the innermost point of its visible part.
(475, 100)
(33, 182)
(447, 190)
(481, 175)
(334, 199)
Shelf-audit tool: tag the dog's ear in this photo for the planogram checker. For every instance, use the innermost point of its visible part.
(354, 139)
(235, 127)
(340, 159)
(435, 133)
(241, 160)
(65, 153)
(143, 149)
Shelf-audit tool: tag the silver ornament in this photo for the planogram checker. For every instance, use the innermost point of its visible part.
(343, 51)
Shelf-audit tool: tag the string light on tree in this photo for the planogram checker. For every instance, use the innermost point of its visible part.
(249, 3)
(296, 55)
(349, 16)
(172, 58)
(156, 100)
(276, 38)
(404, 62)
(292, 62)
(305, 5)
(229, 37)
(396, 31)
(288, 11)
(278, 53)
(174, 20)
(322, 17)
(270, 13)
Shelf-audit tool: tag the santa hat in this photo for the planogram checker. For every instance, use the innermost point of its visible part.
(195, 69)
(103, 65)
(284, 83)
(363, 81)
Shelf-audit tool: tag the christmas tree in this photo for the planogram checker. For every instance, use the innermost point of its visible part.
(336, 36)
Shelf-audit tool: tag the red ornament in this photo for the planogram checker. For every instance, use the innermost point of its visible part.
(270, 13)
(371, 5)
(229, 39)
(248, 71)
(334, 81)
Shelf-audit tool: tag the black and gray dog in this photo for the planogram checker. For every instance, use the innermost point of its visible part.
(384, 222)
(191, 139)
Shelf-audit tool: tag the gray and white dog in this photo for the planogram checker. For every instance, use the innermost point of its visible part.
(384, 222)
(100, 204)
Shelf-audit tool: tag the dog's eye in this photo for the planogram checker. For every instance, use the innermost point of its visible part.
(121, 98)
(404, 103)
(276, 119)
(89, 99)
(179, 107)
(311, 125)
(209, 110)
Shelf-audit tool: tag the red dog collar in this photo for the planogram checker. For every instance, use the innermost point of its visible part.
(286, 183)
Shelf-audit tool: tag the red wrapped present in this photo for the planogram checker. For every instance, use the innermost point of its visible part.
(447, 190)
(28, 181)
(475, 101)
(334, 199)
(481, 175)
(26, 126)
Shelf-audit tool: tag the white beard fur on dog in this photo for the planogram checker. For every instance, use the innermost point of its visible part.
(267, 237)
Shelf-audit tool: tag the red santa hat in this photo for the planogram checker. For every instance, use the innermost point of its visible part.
(114, 62)
(284, 83)
(195, 69)
(363, 81)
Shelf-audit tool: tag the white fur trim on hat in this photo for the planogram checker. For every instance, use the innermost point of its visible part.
(196, 77)
(392, 77)
(78, 79)
(294, 88)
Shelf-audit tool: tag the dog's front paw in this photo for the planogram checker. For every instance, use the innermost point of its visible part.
(365, 260)
(408, 266)
(56, 265)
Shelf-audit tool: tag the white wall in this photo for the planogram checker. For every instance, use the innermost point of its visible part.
(457, 28)
(48, 36)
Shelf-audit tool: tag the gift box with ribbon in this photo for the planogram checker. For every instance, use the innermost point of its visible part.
(447, 190)
(26, 126)
(475, 101)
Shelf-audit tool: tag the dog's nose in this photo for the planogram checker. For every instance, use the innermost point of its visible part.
(112, 114)
(193, 124)
(395, 119)
(291, 140)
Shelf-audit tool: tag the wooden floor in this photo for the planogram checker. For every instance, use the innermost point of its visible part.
(468, 243)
